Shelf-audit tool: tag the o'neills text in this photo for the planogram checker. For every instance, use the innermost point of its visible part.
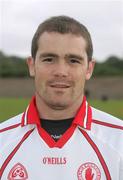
(54, 160)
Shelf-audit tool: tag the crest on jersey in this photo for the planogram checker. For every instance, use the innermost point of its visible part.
(88, 171)
(18, 172)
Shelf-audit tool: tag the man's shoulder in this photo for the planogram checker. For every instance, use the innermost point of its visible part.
(101, 117)
(10, 123)
(12, 130)
(108, 129)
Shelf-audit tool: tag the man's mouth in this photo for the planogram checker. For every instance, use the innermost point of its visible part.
(59, 85)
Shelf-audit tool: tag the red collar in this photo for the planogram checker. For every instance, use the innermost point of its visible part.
(83, 117)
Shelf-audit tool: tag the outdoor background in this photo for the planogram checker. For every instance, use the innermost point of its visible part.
(18, 22)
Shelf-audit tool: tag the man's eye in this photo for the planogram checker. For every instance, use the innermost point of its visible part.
(74, 61)
(47, 59)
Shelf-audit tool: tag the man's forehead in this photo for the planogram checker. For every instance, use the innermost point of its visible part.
(57, 34)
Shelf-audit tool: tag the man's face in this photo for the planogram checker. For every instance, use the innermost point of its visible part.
(60, 69)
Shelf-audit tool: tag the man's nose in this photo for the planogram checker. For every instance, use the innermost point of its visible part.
(61, 69)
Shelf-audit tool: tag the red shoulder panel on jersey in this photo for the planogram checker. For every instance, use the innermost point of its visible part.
(10, 127)
(107, 124)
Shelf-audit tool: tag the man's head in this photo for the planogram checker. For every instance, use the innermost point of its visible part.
(61, 63)
(62, 25)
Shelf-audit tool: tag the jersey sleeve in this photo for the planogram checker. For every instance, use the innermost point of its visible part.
(121, 169)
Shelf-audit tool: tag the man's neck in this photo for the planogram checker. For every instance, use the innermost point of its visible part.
(47, 112)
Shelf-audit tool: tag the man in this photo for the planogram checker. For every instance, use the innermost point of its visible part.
(60, 136)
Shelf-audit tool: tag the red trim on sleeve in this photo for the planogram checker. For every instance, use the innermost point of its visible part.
(10, 127)
(107, 124)
(98, 153)
(14, 151)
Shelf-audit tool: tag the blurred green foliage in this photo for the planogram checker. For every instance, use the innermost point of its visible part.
(113, 66)
(12, 66)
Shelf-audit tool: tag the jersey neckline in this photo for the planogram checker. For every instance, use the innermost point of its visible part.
(82, 119)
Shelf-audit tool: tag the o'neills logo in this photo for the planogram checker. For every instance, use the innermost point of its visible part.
(54, 160)
(18, 172)
(88, 171)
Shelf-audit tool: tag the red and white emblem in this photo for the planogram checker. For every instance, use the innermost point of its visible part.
(18, 172)
(88, 171)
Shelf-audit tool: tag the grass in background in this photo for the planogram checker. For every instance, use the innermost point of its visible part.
(113, 107)
(10, 107)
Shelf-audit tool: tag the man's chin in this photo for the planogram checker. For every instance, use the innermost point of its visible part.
(58, 105)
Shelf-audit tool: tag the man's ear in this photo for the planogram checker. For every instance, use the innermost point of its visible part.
(31, 66)
(90, 69)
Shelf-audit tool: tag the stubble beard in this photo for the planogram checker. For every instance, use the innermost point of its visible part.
(55, 104)
(62, 104)
(57, 100)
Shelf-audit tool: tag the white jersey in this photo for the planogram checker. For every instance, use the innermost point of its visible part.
(91, 149)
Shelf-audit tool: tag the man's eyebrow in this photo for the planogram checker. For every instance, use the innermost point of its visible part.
(76, 56)
(47, 55)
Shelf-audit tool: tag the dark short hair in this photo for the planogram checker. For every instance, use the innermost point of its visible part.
(62, 25)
